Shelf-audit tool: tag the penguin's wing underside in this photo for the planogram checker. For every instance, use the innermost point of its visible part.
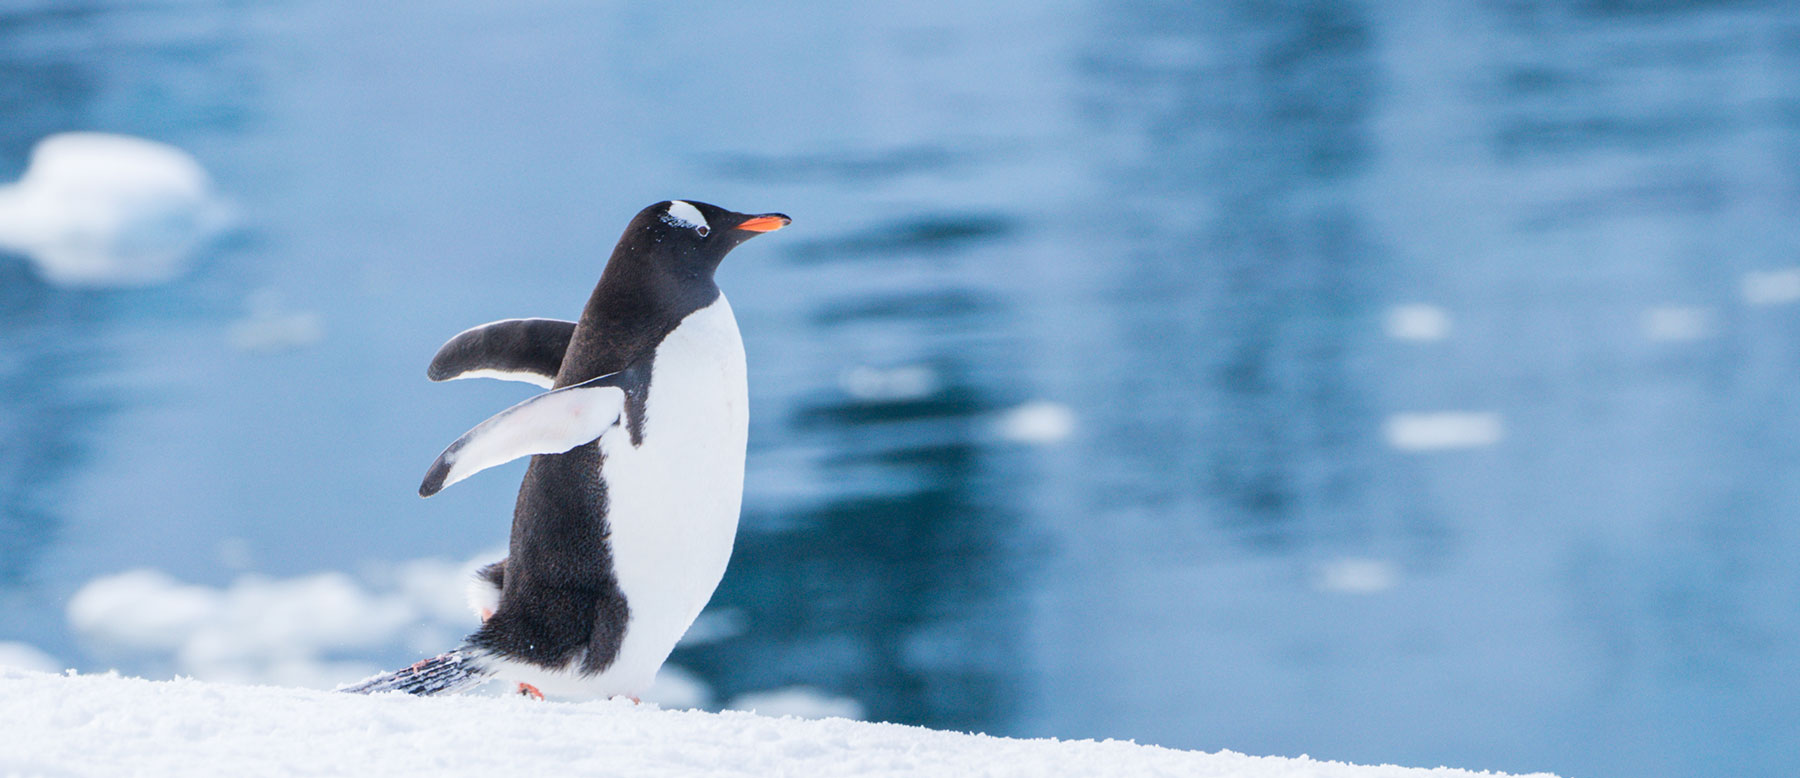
(529, 350)
(550, 423)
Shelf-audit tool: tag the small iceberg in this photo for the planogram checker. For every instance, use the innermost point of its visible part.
(109, 210)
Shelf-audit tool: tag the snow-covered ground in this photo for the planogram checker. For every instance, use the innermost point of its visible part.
(106, 725)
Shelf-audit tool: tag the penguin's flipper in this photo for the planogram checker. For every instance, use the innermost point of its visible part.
(550, 423)
(529, 350)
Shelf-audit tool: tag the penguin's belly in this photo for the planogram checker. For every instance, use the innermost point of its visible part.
(673, 499)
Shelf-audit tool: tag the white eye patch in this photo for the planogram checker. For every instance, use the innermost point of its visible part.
(684, 214)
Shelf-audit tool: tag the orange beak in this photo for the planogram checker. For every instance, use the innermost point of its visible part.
(768, 223)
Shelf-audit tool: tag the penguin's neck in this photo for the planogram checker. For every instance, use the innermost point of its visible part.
(630, 311)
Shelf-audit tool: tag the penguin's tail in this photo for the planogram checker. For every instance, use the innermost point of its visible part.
(457, 670)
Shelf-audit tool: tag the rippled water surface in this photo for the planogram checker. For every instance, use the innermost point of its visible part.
(1404, 382)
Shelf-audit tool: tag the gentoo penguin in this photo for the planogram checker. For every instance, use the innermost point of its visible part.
(627, 514)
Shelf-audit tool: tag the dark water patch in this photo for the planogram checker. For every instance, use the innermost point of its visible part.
(1553, 135)
(921, 305)
(1629, 8)
(858, 600)
(1698, 194)
(859, 167)
(949, 403)
(937, 235)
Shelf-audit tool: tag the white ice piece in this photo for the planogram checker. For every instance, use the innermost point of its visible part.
(1443, 430)
(889, 384)
(1678, 323)
(1779, 286)
(1039, 423)
(799, 701)
(1357, 575)
(1418, 321)
(109, 210)
(24, 656)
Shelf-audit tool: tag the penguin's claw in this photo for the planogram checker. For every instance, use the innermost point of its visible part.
(527, 690)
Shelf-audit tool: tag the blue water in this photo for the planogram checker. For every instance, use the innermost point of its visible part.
(1187, 223)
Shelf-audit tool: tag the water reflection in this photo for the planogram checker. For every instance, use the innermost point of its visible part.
(64, 354)
(901, 589)
(45, 412)
(1244, 282)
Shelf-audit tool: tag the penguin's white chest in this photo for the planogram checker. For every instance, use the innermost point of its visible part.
(673, 499)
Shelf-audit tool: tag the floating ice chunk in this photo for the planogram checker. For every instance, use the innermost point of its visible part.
(801, 701)
(1039, 422)
(269, 630)
(109, 210)
(1678, 323)
(906, 382)
(1443, 430)
(270, 327)
(142, 610)
(1772, 287)
(1418, 321)
(1352, 575)
(23, 656)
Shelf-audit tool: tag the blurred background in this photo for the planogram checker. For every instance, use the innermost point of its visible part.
(1385, 382)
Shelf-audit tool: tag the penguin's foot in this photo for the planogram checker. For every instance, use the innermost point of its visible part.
(527, 690)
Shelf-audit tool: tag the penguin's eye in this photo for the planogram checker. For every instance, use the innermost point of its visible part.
(703, 230)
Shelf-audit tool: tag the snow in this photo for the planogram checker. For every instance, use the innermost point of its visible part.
(105, 725)
(94, 209)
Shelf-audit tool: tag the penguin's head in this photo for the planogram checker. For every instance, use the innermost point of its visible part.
(688, 238)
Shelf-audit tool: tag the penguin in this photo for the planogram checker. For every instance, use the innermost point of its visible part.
(627, 513)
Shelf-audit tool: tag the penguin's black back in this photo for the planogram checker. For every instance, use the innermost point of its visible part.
(560, 599)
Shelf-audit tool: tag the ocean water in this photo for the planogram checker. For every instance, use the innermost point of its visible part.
(1385, 382)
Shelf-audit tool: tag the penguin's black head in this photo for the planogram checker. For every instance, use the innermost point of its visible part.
(688, 238)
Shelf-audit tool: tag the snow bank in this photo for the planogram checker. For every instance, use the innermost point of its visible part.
(108, 725)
